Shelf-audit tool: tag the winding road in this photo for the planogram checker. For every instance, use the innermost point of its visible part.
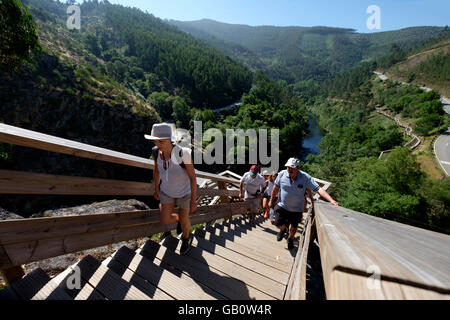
(442, 144)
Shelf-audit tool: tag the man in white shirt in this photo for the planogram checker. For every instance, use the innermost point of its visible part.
(254, 185)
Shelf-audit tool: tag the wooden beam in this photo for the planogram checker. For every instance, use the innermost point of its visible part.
(369, 249)
(32, 139)
(296, 288)
(36, 243)
(217, 192)
(17, 182)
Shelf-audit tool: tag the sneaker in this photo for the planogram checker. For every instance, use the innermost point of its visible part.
(185, 245)
(290, 244)
(179, 230)
(281, 234)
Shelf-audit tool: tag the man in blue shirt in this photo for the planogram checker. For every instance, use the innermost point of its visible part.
(293, 184)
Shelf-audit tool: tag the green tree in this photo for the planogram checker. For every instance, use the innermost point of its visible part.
(162, 102)
(18, 38)
(181, 113)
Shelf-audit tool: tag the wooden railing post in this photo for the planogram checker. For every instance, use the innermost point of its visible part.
(223, 199)
(9, 274)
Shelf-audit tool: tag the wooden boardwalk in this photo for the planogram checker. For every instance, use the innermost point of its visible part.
(228, 260)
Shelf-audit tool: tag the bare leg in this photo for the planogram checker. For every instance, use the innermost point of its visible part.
(166, 215)
(183, 215)
(292, 232)
(265, 204)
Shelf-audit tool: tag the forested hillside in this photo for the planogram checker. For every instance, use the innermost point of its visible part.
(429, 67)
(94, 86)
(396, 187)
(149, 55)
(301, 53)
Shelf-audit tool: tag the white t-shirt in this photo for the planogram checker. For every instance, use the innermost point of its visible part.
(251, 185)
(174, 180)
(269, 189)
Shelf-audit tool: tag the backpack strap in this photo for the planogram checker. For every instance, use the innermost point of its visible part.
(155, 153)
(180, 153)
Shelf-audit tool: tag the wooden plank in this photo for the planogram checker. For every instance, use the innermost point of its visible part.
(23, 230)
(296, 289)
(29, 251)
(276, 253)
(32, 139)
(201, 192)
(66, 281)
(266, 285)
(259, 255)
(36, 285)
(352, 242)
(218, 281)
(8, 294)
(17, 182)
(109, 284)
(251, 235)
(180, 287)
(13, 231)
(129, 276)
(254, 240)
(242, 260)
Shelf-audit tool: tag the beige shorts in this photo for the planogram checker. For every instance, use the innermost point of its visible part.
(183, 203)
(253, 204)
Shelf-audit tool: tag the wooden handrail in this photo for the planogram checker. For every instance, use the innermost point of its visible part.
(366, 257)
(32, 139)
(27, 240)
(18, 182)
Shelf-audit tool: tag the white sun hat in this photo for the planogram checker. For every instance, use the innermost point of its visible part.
(160, 131)
(293, 163)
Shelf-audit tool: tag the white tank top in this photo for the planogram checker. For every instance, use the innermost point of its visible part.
(174, 179)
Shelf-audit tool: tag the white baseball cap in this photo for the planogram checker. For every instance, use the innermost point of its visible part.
(293, 163)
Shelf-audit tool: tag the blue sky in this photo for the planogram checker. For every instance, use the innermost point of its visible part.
(395, 14)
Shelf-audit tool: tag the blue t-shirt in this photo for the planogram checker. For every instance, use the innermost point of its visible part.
(292, 193)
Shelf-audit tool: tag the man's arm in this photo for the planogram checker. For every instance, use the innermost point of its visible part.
(193, 180)
(241, 190)
(327, 197)
(272, 196)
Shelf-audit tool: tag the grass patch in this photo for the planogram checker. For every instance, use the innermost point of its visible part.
(427, 160)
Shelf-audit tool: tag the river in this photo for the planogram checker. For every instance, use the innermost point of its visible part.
(310, 144)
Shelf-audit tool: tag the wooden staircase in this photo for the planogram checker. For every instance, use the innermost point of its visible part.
(362, 257)
(235, 260)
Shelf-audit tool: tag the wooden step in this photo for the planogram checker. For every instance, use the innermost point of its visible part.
(277, 253)
(108, 283)
(179, 286)
(66, 281)
(264, 284)
(36, 285)
(8, 294)
(242, 260)
(129, 276)
(227, 286)
(259, 254)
